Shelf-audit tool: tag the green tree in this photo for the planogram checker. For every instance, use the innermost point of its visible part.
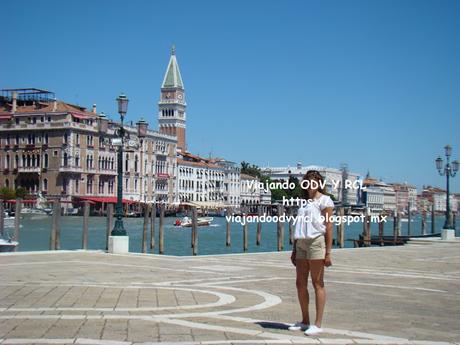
(250, 169)
(7, 193)
(21, 193)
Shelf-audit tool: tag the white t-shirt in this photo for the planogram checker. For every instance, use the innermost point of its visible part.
(308, 223)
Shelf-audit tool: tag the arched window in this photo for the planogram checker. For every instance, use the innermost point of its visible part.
(127, 163)
(45, 184)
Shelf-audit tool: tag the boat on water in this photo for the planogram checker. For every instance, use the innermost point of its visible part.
(406, 220)
(7, 245)
(41, 207)
(200, 221)
(6, 242)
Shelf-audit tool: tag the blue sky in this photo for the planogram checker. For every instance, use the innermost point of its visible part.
(375, 84)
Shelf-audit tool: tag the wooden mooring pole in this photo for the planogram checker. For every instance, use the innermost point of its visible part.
(109, 225)
(55, 237)
(245, 231)
(145, 225)
(17, 219)
(153, 216)
(259, 226)
(228, 234)
(85, 225)
(381, 229)
(280, 228)
(194, 231)
(161, 229)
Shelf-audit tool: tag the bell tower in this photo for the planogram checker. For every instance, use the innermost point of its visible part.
(171, 107)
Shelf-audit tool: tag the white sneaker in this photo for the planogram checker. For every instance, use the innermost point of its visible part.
(298, 326)
(313, 330)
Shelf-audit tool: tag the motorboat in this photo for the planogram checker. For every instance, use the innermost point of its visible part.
(37, 211)
(7, 245)
(41, 207)
(200, 221)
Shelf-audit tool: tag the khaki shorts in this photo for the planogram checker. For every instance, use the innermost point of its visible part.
(311, 249)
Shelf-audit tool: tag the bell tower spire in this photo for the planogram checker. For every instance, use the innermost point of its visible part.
(171, 107)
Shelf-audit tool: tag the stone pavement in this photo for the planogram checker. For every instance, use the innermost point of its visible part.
(392, 295)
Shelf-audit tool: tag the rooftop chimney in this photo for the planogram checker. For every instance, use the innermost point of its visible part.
(14, 96)
(94, 108)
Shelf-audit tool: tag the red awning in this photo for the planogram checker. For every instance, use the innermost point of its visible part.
(5, 116)
(107, 200)
(13, 201)
(80, 116)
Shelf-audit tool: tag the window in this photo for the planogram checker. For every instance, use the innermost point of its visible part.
(77, 185)
(77, 139)
(46, 139)
(77, 161)
(126, 184)
(127, 163)
(17, 139)
(7, 183)
(34, 120)
(136, 163)
(89, 141)
(49, 118)
(111, 187)
(64, 185)
(101, 187)
(17, 120)
(45, 163)
(89, 186)
(45, 184)
(135, 185)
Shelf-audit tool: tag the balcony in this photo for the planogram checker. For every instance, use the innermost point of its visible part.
(29, 170)
(162, 176)
(108, 172)
(70, 169)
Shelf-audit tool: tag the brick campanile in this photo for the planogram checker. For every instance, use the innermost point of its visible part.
(171, 107)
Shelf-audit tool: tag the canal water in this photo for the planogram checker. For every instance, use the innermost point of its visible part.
(35, 234)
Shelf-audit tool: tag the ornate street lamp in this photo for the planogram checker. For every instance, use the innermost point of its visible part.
(118, 229)
(448, 170)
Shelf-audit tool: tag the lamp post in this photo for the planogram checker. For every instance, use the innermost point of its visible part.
(449, 170)
(119, 240)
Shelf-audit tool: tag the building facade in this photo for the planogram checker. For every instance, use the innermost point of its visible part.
(406, 196)
(333, 177)
(66, 151)
(171, 113)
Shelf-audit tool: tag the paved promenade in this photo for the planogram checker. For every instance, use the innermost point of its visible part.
(393, 295)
